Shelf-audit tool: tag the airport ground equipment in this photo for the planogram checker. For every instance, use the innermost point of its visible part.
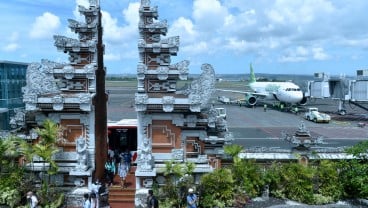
(352, 91)
(314, 115)
(221, 113)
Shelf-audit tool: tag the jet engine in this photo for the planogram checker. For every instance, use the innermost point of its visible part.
(251, 100)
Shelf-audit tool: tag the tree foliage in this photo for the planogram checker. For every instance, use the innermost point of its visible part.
(216, 188)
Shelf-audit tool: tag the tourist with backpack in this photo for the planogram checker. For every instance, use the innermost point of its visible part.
(191, 199)
(152, 201)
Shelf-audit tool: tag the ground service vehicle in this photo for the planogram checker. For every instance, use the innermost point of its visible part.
(314, 115)
(221, 112)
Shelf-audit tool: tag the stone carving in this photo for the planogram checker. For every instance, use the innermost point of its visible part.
(162, 72)
(81, 149)
(205, 85)
(191, 121)
(177, 154)
(212, 117)
(168, 103)
(141, 101)
(18, 120)
(148, 182)
(141, 70)
(68, 72)
(145, 2)
(38, 81)
(93, 3)
(145, 155)
(58, 101)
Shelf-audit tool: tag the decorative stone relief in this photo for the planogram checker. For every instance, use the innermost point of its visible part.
(30, 98)
(141, 70)
(39, 82)
(90, 68)
(162, 73)
(141, 101)
(191, 121)
(145, 3)
(140, 198)
(194, 101)
(168, 103)
(58, 103)
(177, 154)
(212, 117)
(148, 182)
(178, 119)
(85, 102)
(145, 160)
(164, 59)
(81, 149)
(141, 45)
(18, 120)
(68, 72)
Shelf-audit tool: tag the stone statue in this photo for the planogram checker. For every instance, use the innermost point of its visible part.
(145, 155)
(81, 149)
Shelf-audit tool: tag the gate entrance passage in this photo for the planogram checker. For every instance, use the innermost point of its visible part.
(122, 135)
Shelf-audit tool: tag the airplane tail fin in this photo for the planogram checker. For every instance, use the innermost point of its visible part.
(252, 77)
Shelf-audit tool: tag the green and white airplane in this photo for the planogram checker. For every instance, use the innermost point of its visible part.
(284, 92)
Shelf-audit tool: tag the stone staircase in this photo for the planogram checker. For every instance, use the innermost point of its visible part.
(119, 197)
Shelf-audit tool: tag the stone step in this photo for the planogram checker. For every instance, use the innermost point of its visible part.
(123, 197)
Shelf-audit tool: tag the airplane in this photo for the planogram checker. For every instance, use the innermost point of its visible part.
(287, 93)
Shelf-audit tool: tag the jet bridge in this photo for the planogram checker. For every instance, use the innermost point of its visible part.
(339, 88)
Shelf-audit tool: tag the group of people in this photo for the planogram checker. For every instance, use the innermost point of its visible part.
(120, 164)
(191, 199)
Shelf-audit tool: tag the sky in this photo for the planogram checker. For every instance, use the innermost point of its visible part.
(275, 36)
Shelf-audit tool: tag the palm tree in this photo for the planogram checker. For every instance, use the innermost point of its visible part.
(45, 149)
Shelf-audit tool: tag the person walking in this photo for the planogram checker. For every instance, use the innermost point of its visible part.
(87, 201)
(110, 171)
(94, 202)
(32, 199)
(191, 199)
(152, 201)
(122, 171)
(126, 157)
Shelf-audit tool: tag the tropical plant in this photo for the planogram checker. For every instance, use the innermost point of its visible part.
(178, 178)
(353, 173)
(249, 177)
(292, 181)
(217, 188)
(45, 148)
(233, 150)
(12, 175)
(327, 183)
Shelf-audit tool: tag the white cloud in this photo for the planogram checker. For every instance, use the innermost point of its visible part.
(185, 29)
(14, 37)
(297, 54)
(319, 54)
(44, 26)
(198, 48)
(301, 53)
(112, 57)
(209, 15)
(11, 47)
(115, 33)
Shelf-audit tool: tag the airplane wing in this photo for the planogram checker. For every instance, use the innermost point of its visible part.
(246, 93)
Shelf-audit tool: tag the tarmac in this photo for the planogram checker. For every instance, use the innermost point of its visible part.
(254, 128)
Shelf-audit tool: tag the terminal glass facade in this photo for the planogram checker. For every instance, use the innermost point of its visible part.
(12, 79)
